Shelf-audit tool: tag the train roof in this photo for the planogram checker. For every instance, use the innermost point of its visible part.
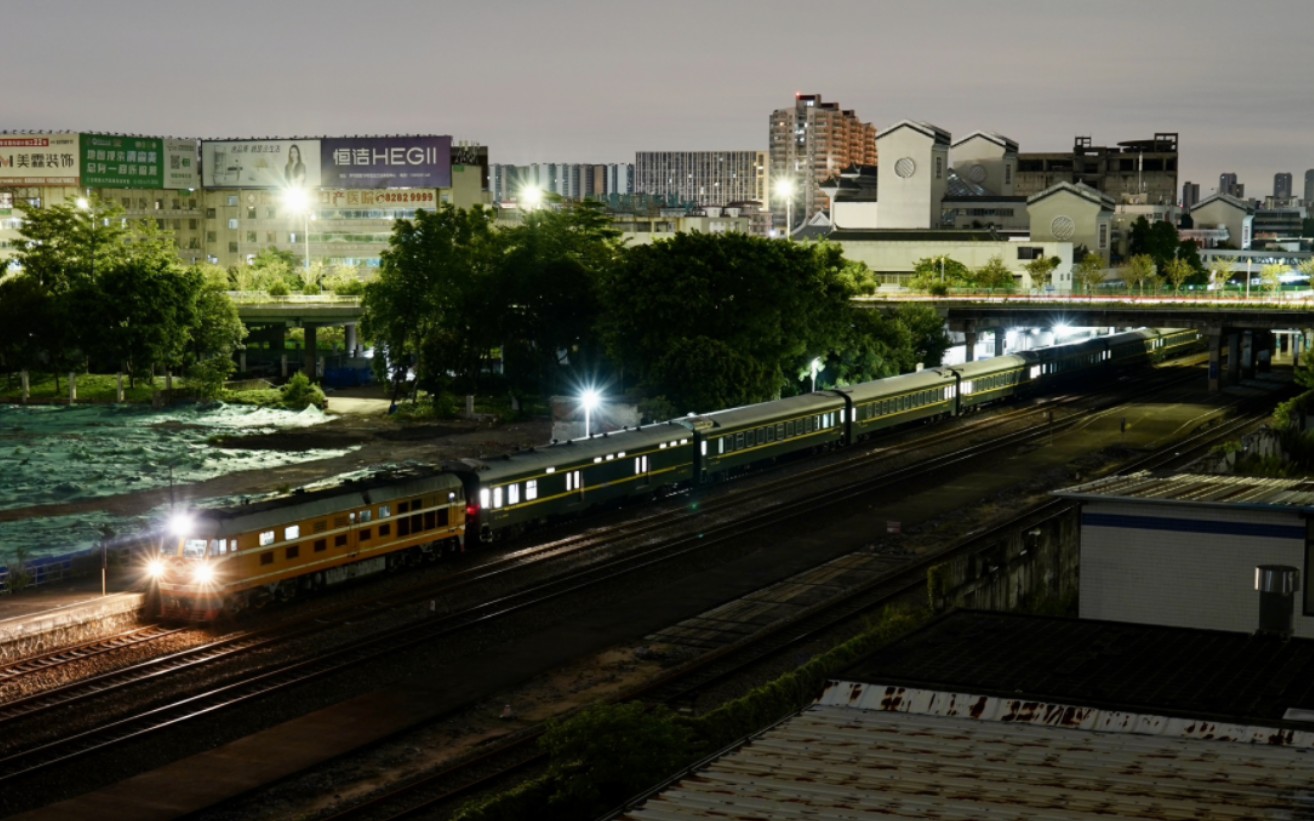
(380, 487)
(925, 379)
(766, 412)
(601, 446)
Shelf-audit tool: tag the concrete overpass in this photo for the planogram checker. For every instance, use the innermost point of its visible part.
(1242, 334)
(273, 315)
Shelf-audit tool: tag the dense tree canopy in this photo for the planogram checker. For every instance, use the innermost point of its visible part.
(91, 289)
(776, 304)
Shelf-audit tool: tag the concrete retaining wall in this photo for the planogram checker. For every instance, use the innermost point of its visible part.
(29, 635)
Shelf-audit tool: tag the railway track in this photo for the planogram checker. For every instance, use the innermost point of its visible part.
(30, 666)
(441, 791)
(285, 676)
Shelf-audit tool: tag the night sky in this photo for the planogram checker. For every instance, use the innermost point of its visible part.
(598, 80)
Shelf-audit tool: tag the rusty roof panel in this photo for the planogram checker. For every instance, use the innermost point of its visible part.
(1253, 492)
(834, 762)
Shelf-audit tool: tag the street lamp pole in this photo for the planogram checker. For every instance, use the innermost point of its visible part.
(589, 399)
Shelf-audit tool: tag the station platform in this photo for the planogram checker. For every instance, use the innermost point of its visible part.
(65, 611)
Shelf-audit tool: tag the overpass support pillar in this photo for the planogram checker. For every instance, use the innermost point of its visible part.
(1297, 342)
(1248, 354)
(1264, 351)
(969, 345)
(1215, 341)
(1001, 338)
(1233, 358)
(349, 334)
(310, 361)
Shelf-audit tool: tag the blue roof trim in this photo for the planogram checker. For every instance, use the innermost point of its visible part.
(1193, 526)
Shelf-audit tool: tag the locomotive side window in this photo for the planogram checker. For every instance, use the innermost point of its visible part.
(321, 525)
(364, 537)
(194, 548)
(384, 511)
(340, 540)
(292, 532)
(266, 558)
(266, 537)
(531, 490)
(294, 551)
(385, 530)
(366, 515)
(322, 544)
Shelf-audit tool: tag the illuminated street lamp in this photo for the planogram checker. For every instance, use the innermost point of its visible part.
(297, 200)
(785, 191)
(815, 366)
(531, 197)
(84, 204)
(589, 400)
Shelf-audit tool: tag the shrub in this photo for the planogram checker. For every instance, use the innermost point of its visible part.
(300, 392)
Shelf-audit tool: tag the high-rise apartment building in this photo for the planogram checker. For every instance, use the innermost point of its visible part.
(702, 177)
(1282, 186)
(1309, 188)
(571, 181)
(1190, 194)
(810, 143)
(1227, 184)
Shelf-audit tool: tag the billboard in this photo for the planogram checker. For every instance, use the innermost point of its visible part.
(39, 159)
(260, 164)
(119, 161)
(387, 162)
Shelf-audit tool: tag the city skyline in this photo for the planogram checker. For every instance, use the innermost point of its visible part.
(587, 81)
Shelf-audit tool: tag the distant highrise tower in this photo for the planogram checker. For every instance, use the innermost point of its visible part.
(1309, 188)
(1282, 186)
(809, 144)
(702, 177)
(1227, 184)
(1190, 194)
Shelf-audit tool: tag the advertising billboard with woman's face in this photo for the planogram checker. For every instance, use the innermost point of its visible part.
(260, 164)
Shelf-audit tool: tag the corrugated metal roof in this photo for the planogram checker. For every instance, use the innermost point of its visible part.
(1204, 489)
(838, 762)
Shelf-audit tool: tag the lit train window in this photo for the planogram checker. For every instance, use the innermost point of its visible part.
(967, 388)
(366, 515)
(610, 456)
(384, 511)
(194, 548)
(640, 465)
(513, 495)
(1036, 371)
(531, 490)
(684, 441)
(292, 532)
(720, 446)
(497, 497)
(620, 455)
(483, 497)
(266, 537)
(550, 470)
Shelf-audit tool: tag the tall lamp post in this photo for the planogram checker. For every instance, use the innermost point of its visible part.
(531, 197)
(785, 191)
(589, 399)
(297, 200)
(84, 204)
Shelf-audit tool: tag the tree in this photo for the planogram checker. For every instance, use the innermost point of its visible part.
(61, 245)
(608, 752)
(546, 301)
(215, 336)
(419, 310)
(780, 304)
(1090, 271)
(993, 275)
(939, 273)
(1041, 270)
(1222, 273)
(1177, 272)
(1139, 272)
(1158, 240)
(1270, 277)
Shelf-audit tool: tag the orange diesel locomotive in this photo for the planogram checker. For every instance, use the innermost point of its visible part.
(224, 560)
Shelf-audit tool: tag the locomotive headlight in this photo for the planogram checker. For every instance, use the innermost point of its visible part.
(155, 568)
(203, 573)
